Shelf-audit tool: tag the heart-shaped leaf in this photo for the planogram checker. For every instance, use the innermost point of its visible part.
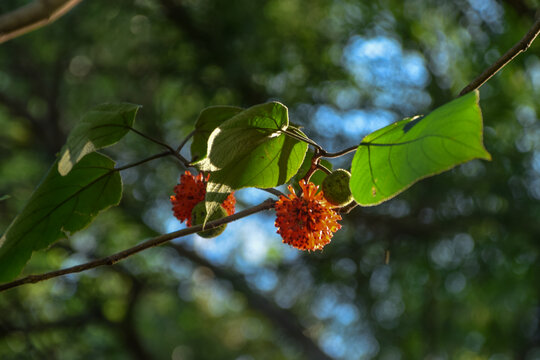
(390, 160)
(61, 205)
(237, 137)
(251, 150)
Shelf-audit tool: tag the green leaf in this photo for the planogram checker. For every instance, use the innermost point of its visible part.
(102, 126)
(285, 155)
(237, 137)
(390, 160)
(60, 206)
(209, 119)
(4, 197)
(251, 150)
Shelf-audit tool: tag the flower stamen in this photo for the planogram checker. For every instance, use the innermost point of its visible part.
(306, 222)
(189, 192)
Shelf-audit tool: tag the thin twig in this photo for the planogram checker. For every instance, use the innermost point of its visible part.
(114, 258)
(313, 167)
(273, 191)
(32, 16)
(339, 153)
(348, 208)
(323, 168)
(185, 141)
(161, 143)
(520, 47)
(150, 158)
(302, 138)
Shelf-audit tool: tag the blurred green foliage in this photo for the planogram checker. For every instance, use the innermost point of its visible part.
(462, 281)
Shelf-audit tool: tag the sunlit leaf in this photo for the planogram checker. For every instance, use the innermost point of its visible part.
(237, 137)
(60, 206)
(393, 158)
(209, 119)
(251, 150)
(102, 126)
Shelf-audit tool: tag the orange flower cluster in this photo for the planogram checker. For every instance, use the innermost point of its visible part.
(306, 222)
(190, 192)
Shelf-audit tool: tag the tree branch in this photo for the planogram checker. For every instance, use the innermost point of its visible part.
(156, 241)
(32, 16)
(520, 47)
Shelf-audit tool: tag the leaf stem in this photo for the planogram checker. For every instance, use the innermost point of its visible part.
(339, 153)
(301, 138)
(156, 241)
(184, 141)
(520, 47)
(150, 158)
(314, 163)
(354, 148)
(161, 143)
(348, 208)
(323, 168)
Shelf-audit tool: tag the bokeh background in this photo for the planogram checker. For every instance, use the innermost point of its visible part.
(463, 281)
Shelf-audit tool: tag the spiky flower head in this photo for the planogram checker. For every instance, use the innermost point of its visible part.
(306, 222)
(189, 192)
